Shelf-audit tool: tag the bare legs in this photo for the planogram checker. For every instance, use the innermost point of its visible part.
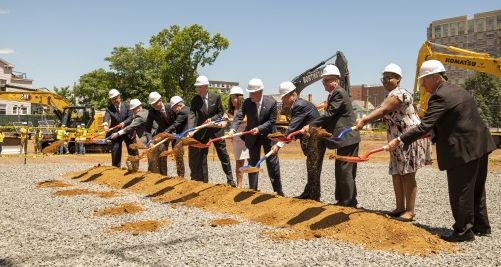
(239, 174)
(405, 188)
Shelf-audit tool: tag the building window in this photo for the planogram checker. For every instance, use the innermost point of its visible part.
(480, 25)
(453, 29)
(3, 109)
(438, 31)
(470, 26)
(461, 28)
(446, 30)
(24, 110)
(489, 24)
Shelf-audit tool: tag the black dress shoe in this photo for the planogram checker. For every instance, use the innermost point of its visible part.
(231, 183)
(395, 213)
(482, 232)
(281, 193)
(352, 204)
(455, 237)
(305, 196)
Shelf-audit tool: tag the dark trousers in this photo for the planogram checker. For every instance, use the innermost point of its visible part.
(116, 149)
(272, 164)
(157, 164)
(345, 174)
(467, 196)
(198, 162)
(313, 167)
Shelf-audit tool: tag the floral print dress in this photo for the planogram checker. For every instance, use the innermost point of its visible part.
(405, 159)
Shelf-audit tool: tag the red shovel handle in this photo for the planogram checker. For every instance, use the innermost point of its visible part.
(289, 137)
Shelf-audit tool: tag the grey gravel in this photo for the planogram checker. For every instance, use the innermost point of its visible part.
(38, 229)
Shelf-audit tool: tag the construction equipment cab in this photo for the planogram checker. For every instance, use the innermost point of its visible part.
(459, 58)
(313, 75)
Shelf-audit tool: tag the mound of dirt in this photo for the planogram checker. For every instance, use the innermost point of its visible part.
(305, 219)
(52, 183)
(223, 222)
(140, 227)
(119, 209)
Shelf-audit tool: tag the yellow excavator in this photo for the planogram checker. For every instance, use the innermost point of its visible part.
(459, 58)
(69, 116)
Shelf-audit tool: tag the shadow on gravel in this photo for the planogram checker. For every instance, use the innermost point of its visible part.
(329, 221)
(306, 215)
(162, 180)
(163, 190)
(262, 198)
(134, 181)
(6, 262)
(243, 196)
(434, 230)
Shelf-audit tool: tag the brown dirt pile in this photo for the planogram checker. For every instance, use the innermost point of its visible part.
(52, 183)
(223, 222)
(140, 227)
(305, 218)
(119, 209)
(276, 135)
(80, 192)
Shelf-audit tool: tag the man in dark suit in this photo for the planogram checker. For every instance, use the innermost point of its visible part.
(261, 112)
(160, 114)
(118, 115)
(135, 128)
(206, 107)
(463, 144)
(180, 124)
(302, 114)
(337, 117)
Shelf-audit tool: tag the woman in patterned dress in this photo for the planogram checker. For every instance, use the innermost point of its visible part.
(399, 116)
(240, 151)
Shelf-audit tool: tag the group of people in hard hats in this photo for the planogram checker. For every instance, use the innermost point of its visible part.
(452, 121)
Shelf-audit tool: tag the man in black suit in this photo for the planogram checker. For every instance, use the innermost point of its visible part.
(206, 107)
(161, 114)
(302, 114)
(180, 124)
(463, 144)
(337, 117)
(135, 128)
(118, 115)
(261, 112)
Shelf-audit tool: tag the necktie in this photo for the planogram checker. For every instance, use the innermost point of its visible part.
(164, 116)
(206, 102)
(118, 109)
(258, 107)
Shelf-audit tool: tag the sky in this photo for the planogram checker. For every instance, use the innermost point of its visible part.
(56, 41)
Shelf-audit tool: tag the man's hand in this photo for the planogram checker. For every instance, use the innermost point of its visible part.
(231, 133)
(255, 131)
(275, 149)
(393, 144)
(121, 125)
(106, 128)
(114, 136)
(359, 124)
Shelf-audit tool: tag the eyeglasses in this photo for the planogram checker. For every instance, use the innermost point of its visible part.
(327, 81)
(387, 78)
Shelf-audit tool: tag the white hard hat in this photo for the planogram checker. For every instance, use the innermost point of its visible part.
(134, 103)
(285, 88)
(236, 90)
(430, 67)
(255, 85)
(330, 70)
(113, 93)
(154, 97)
(393, 68)
(202, 80)
(175, 100)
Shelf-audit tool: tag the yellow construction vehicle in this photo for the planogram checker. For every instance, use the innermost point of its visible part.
(461, 58)
(68, 115)
(312, 75)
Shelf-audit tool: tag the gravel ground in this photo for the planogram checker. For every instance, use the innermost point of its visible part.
(39, 229)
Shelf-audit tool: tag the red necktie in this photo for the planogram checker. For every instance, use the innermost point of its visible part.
(164, 116)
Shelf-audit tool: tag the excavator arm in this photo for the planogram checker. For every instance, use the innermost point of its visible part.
(41, 98)
(460, 58)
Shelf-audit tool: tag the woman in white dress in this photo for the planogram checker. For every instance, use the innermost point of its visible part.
(240, 152)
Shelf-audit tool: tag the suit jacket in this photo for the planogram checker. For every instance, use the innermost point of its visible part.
(156, 116)
(338, 116)
(302, 114)
(460, 134)
(180, 122)
(114, 117)
(265, 123)
(138, 124)
(198, 116)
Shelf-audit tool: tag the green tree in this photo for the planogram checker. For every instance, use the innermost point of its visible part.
(66, 93)
(93, 88)
(185, 50)
(486, 89)
(225, 98)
